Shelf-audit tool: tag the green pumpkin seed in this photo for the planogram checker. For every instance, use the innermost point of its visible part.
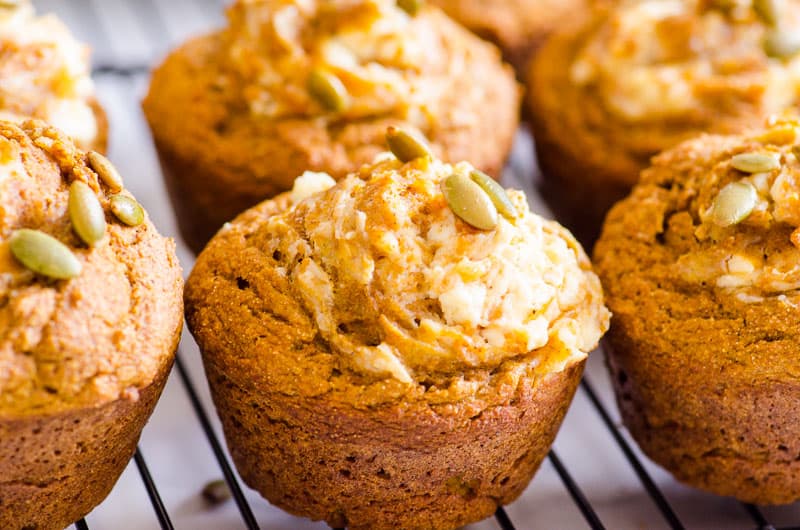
(405, 146)
(87, 216)
(127, 210)
(106, 171)
(756, 162)
(767, 10)
(496, 193)
(216, 492)
(782, 44)
(469, 202)
(44, 254)
(733, 204)
(328, 90)
(411, 7)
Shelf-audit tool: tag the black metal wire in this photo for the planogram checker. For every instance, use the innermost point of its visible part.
(120, 71)
(81, 525)
(644, 478)
(152, 492)
(502, 519)
(758, 517)
(227, 471)
(575, 492)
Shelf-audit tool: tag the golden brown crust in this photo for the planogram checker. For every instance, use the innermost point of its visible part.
(220, 160)
(517, 27)
(82, 361)
(94, 338)
(391, 467)
(56, 468)
(706, 379)
(592, 147)
(325, 412)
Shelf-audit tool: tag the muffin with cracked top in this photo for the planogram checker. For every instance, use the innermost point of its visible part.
(44, 74)
(395, 350)
(699, 265)
(642, 76)
(293, 85)
(89, 322)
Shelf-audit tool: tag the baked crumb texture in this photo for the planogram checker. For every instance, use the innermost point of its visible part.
(234, 121)
(607, 94)
(82, 361)
(704, 337)
(377, 362)
(45, 74)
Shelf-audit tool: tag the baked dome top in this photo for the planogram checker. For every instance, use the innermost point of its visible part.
(692, 61)
(349, 59)
(104, 333)
(45, 74)
(399, 288)
(721, 213)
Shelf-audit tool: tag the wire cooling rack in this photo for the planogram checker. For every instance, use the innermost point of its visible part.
(594, 477)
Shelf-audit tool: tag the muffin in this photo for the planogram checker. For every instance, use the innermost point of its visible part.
(44, 74)
(645, 75)
(376, 360)
(290, 86)
(89, 331)
(518, 27)
(699, 266)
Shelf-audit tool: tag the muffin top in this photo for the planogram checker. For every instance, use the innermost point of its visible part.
(344, 60)
(44, 73)
(649, 74)
(109, 328)
(384, 291)
(705, 249)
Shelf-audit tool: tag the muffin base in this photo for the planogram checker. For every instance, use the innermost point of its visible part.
(392, 467)
(742, 441)
(55, 469)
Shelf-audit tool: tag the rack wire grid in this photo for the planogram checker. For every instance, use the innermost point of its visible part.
(593, 477)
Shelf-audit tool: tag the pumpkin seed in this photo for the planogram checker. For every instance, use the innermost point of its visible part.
(756, 162)
(469, 202)
(405, 146)
(127, 210)
(496, 193)
(44, 254)
(733, 203)
(796, 152)
(782, 44)
(328, 90)
(106, 171)
(216, 492)
(411, 7)
(87, 216)
(9, 4)
(767, 10)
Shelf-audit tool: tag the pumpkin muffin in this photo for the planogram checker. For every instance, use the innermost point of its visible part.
(89, 323)
(290, 86)
(643, 76)
(700, 269)
(378, 361)
(45, 74)
(518, 27)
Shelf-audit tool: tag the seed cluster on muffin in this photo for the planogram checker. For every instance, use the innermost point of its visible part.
(699, 265)
(395, 350)
(45, 74)
(290, 86)
(642, 76)
(91, 318)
